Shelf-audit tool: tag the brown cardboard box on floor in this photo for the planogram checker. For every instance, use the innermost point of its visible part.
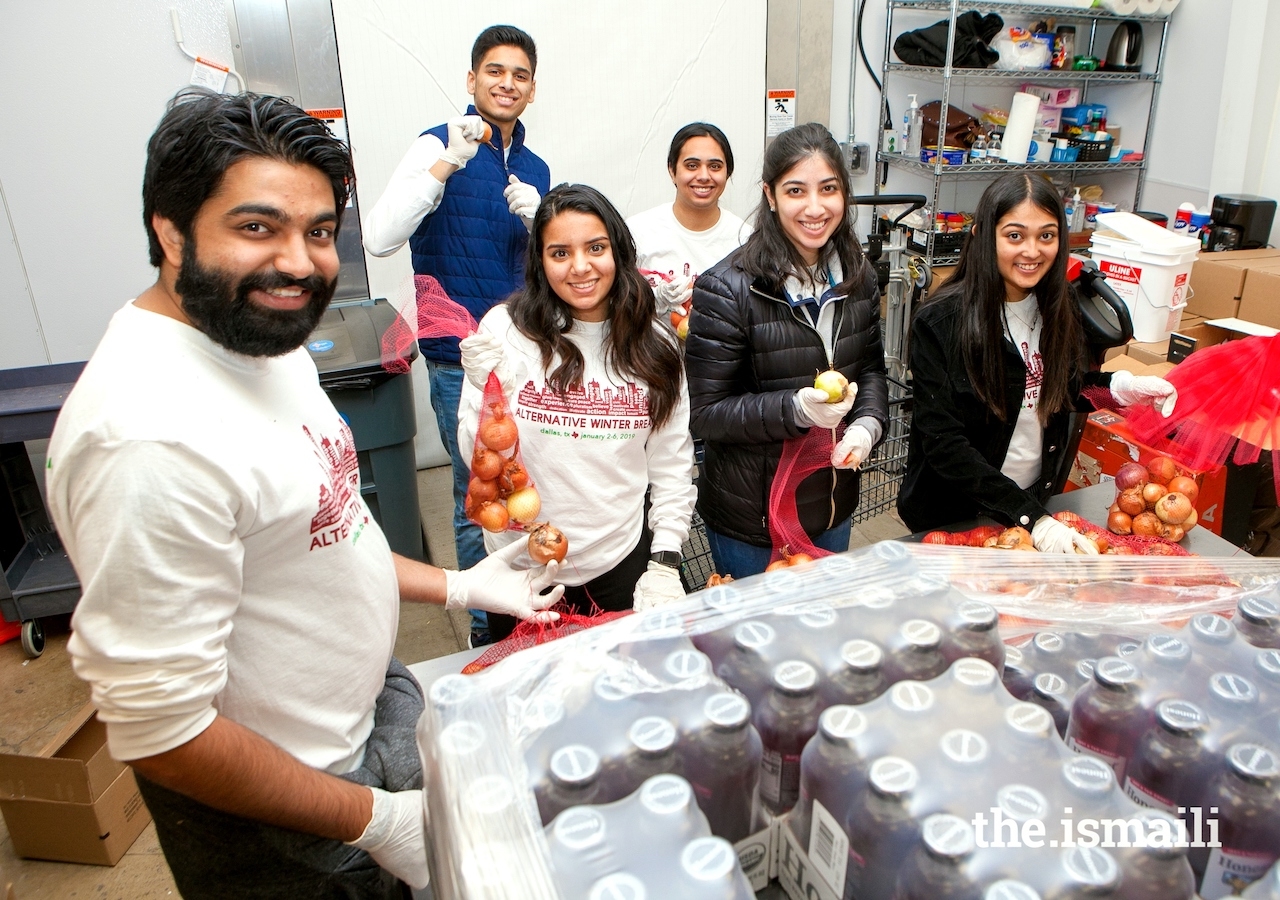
(1218, 280)
(1148, 353)
(72, 801)
(1260, 301)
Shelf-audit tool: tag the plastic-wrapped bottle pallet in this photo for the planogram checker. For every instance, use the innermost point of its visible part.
(586, 721)
(942, 789)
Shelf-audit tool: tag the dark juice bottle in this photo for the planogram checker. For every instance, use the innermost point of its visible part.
(1107, 717)
(786, 720)
(860, 676)
(935, 870)
(1232, 706)
(976, 634)
(1210, 633)
(1248, 817)
(832, 770)
(1053, 693)
(1170, 762)
(745, 667)
(1084, 873)
(723, 765)
(1089, 783)
(1016, 677)
(574, 780)
(1267, 667)
(1159, 870)
(651, 751)
(1163, 655)
(1025, 746)
(1257, 618)
(881, 829)
(919, 654)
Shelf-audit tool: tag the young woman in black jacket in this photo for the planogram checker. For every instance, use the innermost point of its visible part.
(998, 361)
(796, 299)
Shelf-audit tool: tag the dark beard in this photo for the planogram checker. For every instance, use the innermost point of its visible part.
(220, 307)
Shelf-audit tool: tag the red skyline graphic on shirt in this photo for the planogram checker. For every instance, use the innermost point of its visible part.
(339, 490)
(588, 400)
(1035, 375)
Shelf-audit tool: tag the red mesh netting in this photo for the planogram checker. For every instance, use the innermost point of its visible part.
(501, 495)
(1125, 545)
(531, 633)
(436, 314)
(1228, 399)
(801, 457)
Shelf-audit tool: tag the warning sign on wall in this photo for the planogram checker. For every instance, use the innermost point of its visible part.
(780, 114)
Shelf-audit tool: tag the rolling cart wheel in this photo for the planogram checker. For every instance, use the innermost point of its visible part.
(32, 638)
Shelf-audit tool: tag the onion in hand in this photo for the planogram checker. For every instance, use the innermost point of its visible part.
(546, 542)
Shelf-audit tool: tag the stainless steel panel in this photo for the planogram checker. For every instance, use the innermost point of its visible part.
(315, 53)
(264, 51)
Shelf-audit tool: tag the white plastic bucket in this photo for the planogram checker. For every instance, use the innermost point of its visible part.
(1149, 267)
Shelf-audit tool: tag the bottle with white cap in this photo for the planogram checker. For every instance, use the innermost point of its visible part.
(918, 655)
(1209, 633)
(1257, 619)
(1016, 675)
(709, 869)
(1232, 705)
(975, 634)
(724, 765)
(881, 828)
(1107, 715)
(1158, 869)
(1025, 745)
(1054, 694)
(786, 720)
(832, 771)
(1086, 872)
(746, 666)
(936, 870)
(651, 751)
(859, 676)
(573, 780)
(1171, 762)
(1248, 818)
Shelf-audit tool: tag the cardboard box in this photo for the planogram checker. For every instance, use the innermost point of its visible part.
(1052, 95)
(757, 852)
(71, 801)
(1260, 299)
(1149, 353)
(1107, 444)
(797, 875)
(1218, 280)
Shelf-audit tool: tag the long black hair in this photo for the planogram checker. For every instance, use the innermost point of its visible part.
(768, 253)
(978, 282)
(634, 347)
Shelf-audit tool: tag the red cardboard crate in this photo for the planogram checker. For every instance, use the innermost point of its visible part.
(1107, 444)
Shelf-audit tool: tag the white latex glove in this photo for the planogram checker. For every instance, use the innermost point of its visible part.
(522, 199)
(1051, 536)
(658, 586)
(812, 408)
(1129, 389)
(482, 353)
(466, 134)
(494, 586)
(852, 449)
(396, 835)
(673, 294)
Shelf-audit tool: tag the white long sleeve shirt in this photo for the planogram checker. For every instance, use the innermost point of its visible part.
(592, 454)
(210, 503)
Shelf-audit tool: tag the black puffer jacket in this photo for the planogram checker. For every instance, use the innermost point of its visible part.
(958, 445)
(747, 354)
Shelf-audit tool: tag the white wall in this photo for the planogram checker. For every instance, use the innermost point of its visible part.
(84, 85)
(611, 90)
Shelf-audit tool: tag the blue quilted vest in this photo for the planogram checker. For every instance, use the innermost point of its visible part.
(472, 244)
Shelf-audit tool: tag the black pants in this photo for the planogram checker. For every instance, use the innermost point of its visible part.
(611, 592)
(217, 855)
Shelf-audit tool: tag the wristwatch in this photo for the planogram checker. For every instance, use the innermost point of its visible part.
(669, 558)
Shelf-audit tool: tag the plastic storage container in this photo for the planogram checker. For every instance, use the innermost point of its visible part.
(1149, 267)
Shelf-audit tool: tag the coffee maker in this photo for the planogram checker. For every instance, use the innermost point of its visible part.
(1238, 222)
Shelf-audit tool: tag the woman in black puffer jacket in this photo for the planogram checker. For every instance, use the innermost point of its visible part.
(796, 299)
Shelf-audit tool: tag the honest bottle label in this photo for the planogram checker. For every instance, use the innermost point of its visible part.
(828, 848)
(1144, 796)
(771, 776)
(1230, 871)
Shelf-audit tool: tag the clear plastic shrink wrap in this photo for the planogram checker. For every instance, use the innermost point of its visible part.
(618, 761)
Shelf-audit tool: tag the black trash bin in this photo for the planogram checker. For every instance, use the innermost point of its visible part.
(348, 349)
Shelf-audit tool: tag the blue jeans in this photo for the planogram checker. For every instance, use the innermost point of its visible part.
(468, 539)
(740, 559)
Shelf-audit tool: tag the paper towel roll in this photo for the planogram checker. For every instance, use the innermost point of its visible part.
(1149, 7)
(1022, 121)
(1121, 7)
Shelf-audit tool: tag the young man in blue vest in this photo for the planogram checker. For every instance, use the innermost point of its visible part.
(464, 206)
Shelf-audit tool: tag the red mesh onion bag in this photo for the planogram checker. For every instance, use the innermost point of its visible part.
(801, 457)
(531, 633)
(1120, 545)
(436, 314)
(500, 496)
(1228, 400)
